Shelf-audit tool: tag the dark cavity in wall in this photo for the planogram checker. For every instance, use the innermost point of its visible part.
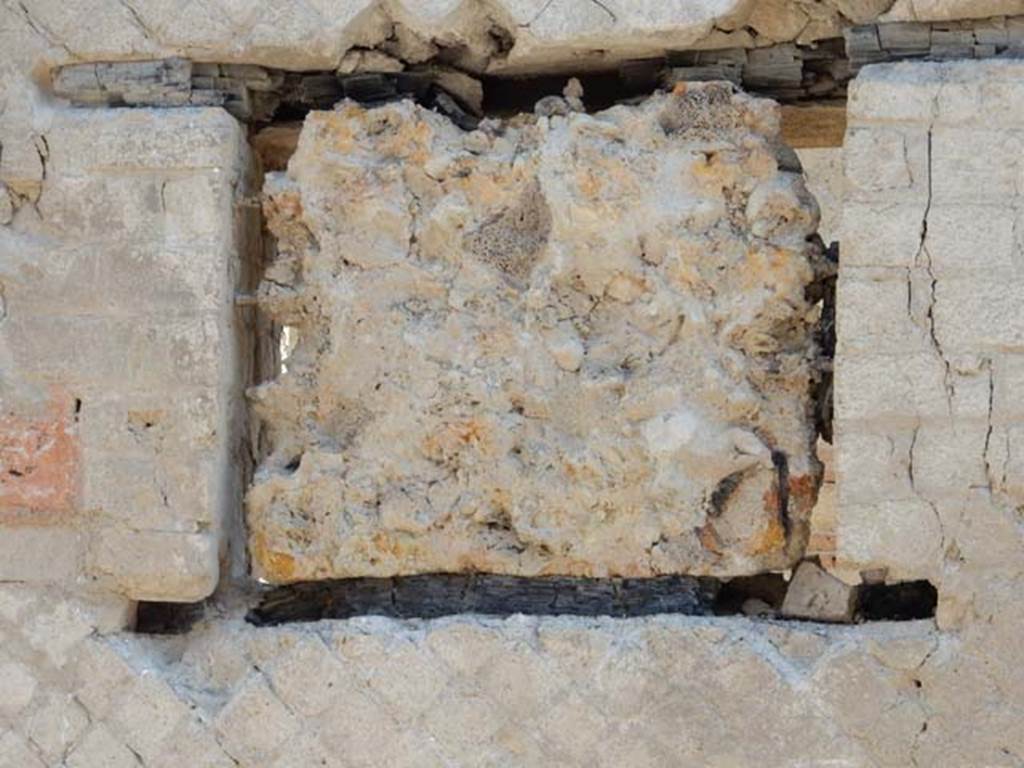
(432, 596)
(152, 618)
(906, 601)
(824, 291)
(435, 595)
(260, 95)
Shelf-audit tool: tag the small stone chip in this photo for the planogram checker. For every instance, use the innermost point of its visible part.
(818, 595)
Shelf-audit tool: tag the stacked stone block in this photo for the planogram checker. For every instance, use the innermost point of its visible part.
(931, 326)
(121, 368)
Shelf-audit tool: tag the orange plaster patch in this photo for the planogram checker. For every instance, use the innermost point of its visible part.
(40, 465)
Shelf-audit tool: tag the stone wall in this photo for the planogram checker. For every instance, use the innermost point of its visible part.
(929, 329)
(121, 372)
(123, 244)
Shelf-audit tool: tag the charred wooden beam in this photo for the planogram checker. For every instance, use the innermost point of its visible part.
(981, 39)
(259, 94)
(434, 595)
(789, 72)
(785, 72)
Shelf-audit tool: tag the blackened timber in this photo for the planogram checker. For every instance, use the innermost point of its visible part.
(979, 39)
(431, 596)
(789, 72)
(434, 595)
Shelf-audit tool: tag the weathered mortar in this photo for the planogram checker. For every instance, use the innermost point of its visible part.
(574, 345)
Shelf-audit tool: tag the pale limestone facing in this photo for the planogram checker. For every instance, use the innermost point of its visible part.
(659, 691)
(930, 332)
(575, 345)
(121, 371)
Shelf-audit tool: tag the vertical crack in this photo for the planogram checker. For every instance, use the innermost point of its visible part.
(910, 458)
(988, 432)
(924, 256)
(42, 147)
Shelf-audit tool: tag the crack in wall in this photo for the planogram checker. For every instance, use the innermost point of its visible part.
(43, 31)
(137, 20)
(988, 366)
(923, 250)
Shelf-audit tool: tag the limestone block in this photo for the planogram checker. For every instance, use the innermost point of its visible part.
(136, 355)
(973, 165)
(119, 344)
(155, 565)
(101, 676)
(147, 715)
(892, 92)
(254, 723)
(880, 160)
(873, 465)
(22, 549)
(15, 751)
(890, 327)
(1002, 98)
(125, 207)
(886, 234)
(905, 537)
(152, 490)
(308, 679)
(815, 594)
(137, 275)
(17, 687)
(573, 345)
(973, 239)
(56, 725)
(977, 314)
(949, 460)
(870, 389)
(84, 142)
(193, 744)
(100, 749)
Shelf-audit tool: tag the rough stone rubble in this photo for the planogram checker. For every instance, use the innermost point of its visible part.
(576, 345)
